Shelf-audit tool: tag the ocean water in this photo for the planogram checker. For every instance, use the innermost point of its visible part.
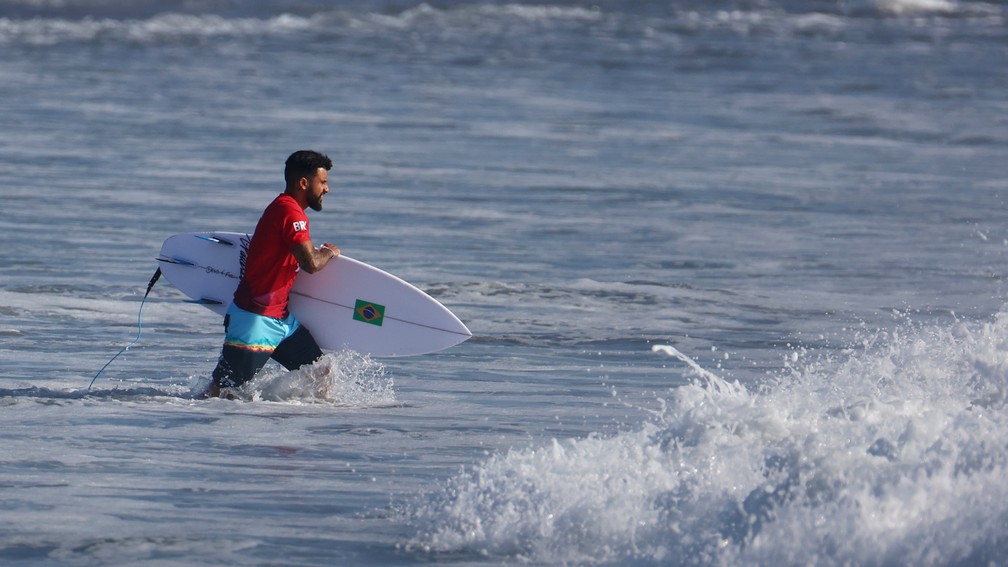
(735, 272)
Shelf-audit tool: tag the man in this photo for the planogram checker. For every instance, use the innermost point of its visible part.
(258, 325)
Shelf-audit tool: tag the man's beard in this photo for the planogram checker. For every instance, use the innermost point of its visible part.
(315, 204)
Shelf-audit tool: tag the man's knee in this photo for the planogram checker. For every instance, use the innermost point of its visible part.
(237, 366)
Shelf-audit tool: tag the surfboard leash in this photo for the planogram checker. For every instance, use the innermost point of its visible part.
(150, 286)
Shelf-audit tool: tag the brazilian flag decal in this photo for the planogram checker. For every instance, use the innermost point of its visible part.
(368, 312)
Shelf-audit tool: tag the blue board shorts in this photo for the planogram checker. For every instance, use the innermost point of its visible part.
(250, 340)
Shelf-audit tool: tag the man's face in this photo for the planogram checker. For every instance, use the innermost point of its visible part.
(318, 186)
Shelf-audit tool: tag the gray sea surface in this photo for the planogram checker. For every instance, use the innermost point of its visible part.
(734, 270)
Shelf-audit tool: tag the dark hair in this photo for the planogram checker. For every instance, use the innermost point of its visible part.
(305, 163)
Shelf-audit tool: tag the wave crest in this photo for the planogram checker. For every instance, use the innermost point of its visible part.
(892, 455)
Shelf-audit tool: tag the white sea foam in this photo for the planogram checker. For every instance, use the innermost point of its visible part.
(167, 26)
(174, 26)
(162, 27)
(900, 7)
(343, 378)
(895, 454)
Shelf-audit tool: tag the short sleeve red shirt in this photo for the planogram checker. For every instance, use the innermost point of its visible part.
(270, 268)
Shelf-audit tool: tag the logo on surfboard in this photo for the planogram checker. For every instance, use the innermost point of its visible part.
(368, 312)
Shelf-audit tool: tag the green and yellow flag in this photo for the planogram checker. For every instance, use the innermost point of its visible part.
(369, 312)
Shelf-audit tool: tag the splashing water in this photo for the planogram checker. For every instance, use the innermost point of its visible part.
(895, 455)
(344, 378)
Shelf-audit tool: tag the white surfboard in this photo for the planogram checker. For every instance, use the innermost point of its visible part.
(346, 305)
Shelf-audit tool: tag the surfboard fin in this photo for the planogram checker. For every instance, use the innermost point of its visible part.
(216, 239)
(205, 301)
(178, 261)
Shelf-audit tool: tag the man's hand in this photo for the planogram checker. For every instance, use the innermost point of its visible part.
(332, 247)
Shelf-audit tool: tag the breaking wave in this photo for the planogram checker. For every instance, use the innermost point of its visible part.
(895, 454)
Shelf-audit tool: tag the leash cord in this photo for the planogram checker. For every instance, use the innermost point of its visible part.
(153, 280)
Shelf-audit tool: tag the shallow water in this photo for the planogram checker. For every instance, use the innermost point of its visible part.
(734, 272)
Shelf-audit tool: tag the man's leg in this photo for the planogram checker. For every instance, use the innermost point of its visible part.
(297, 350)
(238, 365)
(300, 349)
(248, 345)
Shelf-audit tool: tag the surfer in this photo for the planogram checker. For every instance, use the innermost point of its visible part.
(258, 325)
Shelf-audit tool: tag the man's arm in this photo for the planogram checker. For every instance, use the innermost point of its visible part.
(312, 260)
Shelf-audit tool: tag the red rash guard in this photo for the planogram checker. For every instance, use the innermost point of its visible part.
(270, 267)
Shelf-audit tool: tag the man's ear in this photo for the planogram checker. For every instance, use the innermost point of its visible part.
(303, 183)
